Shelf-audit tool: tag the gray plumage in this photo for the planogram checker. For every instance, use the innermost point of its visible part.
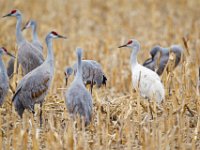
(151, 63)
(10, 67)
(92, 73)
(78, 99)
(35, 40)
(34, 86)
(29, 57)
(4, 81)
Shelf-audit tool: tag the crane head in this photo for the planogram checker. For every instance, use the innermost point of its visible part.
(13, 13)
(54, 34)
(154, 50)
(67, 73)
(28, 25)
(132, 43)
(3, 50)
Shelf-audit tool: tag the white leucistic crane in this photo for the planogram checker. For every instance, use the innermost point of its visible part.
(29, 57)
(4, 81)
(34, 86)
(77, 98)
(92, 73)
(145, 80)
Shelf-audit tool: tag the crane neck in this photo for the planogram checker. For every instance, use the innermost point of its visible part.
(34, 32)
(133, 58)
(50, 55)
(19, 37)
(3, 71)
(79, 68)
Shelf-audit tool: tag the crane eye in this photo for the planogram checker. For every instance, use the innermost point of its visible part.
(13, 11)
(4, 49)
(54, 33)
(129, 42)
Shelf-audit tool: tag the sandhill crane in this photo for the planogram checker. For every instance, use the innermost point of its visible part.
(29, 57)
(145, 80)
(77, 98)
(10, 67)
(4, 82)
(92, 73)
(164, 57)
(36, 42)
(34, 86)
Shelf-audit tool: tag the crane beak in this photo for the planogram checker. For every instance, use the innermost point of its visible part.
(122, 46)
(23, 28)
(66, 81)
(60, 36)
(10, 54)
(7, 15)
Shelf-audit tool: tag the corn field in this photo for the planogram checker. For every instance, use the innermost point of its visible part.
(121, 117)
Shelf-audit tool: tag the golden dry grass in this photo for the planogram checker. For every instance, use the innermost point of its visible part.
(119, 121)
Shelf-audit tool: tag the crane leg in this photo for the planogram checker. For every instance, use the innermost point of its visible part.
(150, 109)
(91, 87)
(41, 114)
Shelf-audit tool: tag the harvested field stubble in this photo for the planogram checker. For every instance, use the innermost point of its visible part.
(121, 118)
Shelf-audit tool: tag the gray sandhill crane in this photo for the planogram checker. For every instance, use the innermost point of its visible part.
(77, 98)
(35, 41)
(145, 80)
(164, 57)
(34, 86)
(29, 57)
(92, 73)
(4, 82)
(10, 67)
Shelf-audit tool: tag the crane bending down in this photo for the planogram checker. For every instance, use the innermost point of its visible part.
(77, 98)
(35, 40)
(164, 52)
(29, 57)
(34, 86)
(4, 82)
(149, 85)
(92, 73)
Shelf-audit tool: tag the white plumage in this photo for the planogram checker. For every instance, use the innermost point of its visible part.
(145, 80)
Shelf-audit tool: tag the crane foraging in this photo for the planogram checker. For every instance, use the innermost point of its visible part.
(145, 80)
(164, 57)
(36, 42)
(34, 86)
(92, 73)
(77, 98)
(29, 57)
(4, 82)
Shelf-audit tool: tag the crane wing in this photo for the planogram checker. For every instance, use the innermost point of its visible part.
(1, 92)
(34, 85)
(37, 85)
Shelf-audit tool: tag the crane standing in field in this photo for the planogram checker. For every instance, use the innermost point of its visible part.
(35, 41)
(151, 63)
(29, 57)
(4, 82)
(34, 86)
(78, 99)
(92, 73)
(146, 80)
